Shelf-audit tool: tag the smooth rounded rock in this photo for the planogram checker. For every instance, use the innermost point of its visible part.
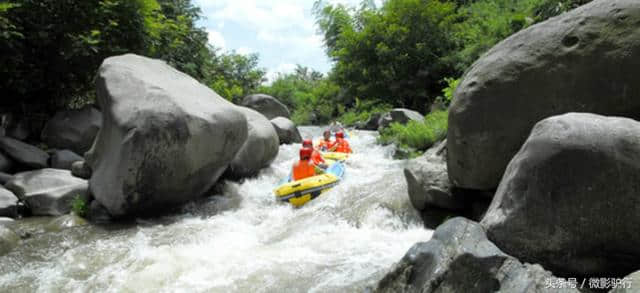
(260, 148)
(585, 60)
(73, 129)
(64, 159)
(24, 154)
(165, 138)
(569, 198)
(287, 131)
(266, 105)
(48, 192)
(81, 169)
(399, 115)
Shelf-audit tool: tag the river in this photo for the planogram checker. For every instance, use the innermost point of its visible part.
(240, 240)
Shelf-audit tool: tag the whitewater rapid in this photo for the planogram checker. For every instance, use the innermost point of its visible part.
(240, 240)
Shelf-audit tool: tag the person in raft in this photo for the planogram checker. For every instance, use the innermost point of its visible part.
(316, 157)
(341, 145)
(305, 168)
(325, 143)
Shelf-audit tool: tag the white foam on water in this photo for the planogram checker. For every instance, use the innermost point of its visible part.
(240, 241)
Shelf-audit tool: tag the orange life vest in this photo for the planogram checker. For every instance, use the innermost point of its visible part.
(343, 146)
(303, 169)
(325, 145)
(317, 158)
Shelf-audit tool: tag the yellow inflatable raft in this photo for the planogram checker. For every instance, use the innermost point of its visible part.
(302, 191)
(335, 156)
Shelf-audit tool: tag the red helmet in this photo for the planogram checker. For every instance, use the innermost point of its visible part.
(307, 142)
(305, 153)
(340, 134)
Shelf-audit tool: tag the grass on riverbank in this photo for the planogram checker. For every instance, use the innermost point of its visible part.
(415, 137)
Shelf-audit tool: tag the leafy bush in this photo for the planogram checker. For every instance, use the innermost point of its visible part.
(416, 135)
(362, 111)
(79, 206)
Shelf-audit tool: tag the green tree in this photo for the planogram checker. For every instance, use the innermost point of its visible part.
(233, 75)
(52, 48)
(396, 54)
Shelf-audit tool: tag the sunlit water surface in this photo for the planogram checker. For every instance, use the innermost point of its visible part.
(239, 241)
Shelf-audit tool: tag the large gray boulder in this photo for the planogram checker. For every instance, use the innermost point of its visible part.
(63, 159)
(287, 130)
(260, 148)
(266, 105)
(73, 129)
(48, 192)
(569, 198)
(165, 139)
(8, 203)
(5, 163)
(399, 115)
(24, 154)
(585, 60)
(460, 258)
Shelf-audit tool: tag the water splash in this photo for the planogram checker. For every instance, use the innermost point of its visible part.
(242, 240)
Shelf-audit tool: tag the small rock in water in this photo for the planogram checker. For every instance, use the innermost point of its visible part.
(48, 192)
(64, 222)
(8, 240)
(81, 169)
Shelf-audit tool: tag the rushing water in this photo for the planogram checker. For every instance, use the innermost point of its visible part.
(239, 241)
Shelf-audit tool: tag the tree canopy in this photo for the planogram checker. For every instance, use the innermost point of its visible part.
(51, 49)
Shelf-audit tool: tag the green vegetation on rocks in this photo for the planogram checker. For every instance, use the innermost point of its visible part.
(79, 206)
(417, 135)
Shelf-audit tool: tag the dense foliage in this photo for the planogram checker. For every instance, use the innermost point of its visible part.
(401, 53)
(51, 49)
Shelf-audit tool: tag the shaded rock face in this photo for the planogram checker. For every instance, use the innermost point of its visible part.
(459, 258)
(63, 159)
(266, 105)
(428, 182)
(165, 139)
(431, 193)
(260, 148)
(399, 115)
(569, 198)
(73, 129)
(5, 163)
(8, 203)
(97, 213)
(48, 192)
(287, 130)
(582, 61)
(26, 155)
(4, 178)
